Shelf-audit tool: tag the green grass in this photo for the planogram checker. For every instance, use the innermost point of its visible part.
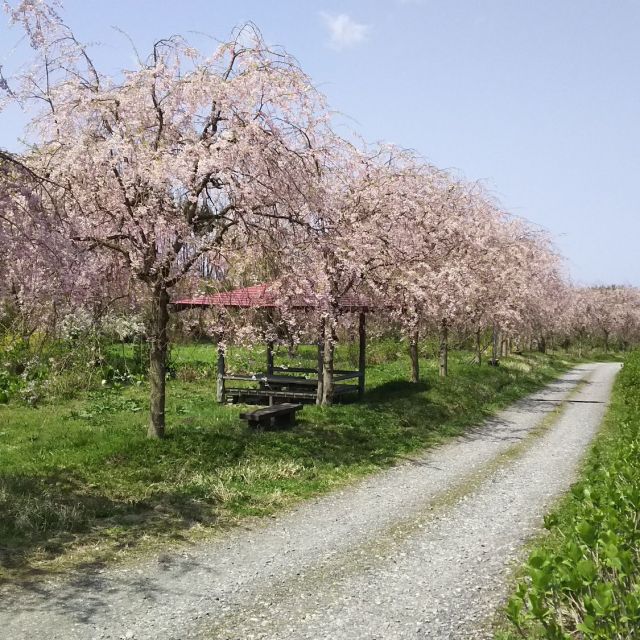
(79, 480)
(582, 580)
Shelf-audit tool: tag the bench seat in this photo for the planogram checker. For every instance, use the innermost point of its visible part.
(276, 415)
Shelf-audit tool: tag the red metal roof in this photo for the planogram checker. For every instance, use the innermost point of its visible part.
(263, 296)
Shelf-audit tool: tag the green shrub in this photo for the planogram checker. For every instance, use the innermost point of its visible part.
(37, 367)
(382, 351)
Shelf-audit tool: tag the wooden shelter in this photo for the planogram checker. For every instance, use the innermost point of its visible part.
(277, 383)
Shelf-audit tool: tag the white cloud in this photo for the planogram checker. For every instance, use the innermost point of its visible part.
(344, 32)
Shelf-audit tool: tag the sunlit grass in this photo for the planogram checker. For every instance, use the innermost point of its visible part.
(82, 472)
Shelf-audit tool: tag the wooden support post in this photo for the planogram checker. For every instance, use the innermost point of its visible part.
(220, 376)
(362, 353)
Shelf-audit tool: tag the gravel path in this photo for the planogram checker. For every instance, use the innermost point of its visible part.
(419, 551)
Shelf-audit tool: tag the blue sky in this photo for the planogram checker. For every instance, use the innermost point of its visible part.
(540, 100)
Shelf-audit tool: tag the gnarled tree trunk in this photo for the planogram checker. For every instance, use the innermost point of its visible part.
(158, 359)
(494, 345)
(320, 390)
(414, 355)
(542, 345)
(444, 349)
(220, 373)
(327, 362)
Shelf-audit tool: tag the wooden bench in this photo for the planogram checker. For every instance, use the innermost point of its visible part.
(277, 415)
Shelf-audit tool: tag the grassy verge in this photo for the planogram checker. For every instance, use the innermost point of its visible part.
(583, 579)
(80, 482)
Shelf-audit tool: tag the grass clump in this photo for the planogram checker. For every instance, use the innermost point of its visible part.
(79, 477)
(583, 580)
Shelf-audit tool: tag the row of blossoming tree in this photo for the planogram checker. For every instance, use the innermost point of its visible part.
(129, 186)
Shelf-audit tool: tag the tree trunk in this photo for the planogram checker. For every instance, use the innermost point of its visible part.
(327, 362)
(542, 345)
(479, 347)
(444, 349)
(270, 358)
(494, 346)
(413, 353)
(606, 342)
(220, 373)
(362, 353)
(320, 390)
(158, 360)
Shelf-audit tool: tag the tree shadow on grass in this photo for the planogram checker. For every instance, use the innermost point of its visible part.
(394, 390)
(398, 416)
(45, 516)
(391, 418)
